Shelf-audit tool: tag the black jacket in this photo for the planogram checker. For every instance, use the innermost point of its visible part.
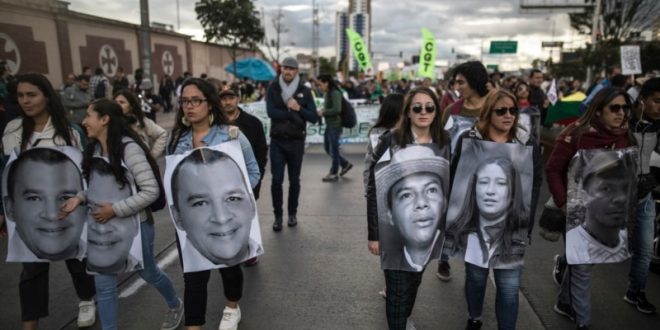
(287, 124)
(254, 131)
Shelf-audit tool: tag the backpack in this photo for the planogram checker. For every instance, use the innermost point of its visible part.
(161, 201)
(99, 91)
(348, 116)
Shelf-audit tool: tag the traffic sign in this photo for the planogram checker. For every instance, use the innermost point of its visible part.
(552, 44)
(503, 47)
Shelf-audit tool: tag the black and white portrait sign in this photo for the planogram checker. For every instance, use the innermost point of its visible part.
(631, 62)
(212, 206)
(35, 184)
(457, 125)
(601, 200)
(412, 190)
(114, 246)
(489, 208)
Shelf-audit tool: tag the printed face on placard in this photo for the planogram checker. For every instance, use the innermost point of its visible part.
(217, 218)
(108, 244)
(607, 199)
(492, 191)
(417, 201)
(38, 191)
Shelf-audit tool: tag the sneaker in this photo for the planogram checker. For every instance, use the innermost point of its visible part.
(86, 313)
(383, 293)
(473, 325)
(443, 271)
(230, 318)
(565, 310)
(345, 169)
(558, 270)
(639, 301)
(410, 325)
(173, 317)
(251, 262)
(330, 178)
(277, 225)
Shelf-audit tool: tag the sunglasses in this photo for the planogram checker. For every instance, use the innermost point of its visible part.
(502, 111)
(417, 108)
(615, 108)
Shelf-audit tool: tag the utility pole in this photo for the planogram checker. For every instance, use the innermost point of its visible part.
(145, 39)
(594, 27)
(178, 17)
(315, 38)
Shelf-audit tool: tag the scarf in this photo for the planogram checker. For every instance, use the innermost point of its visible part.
(288, 89)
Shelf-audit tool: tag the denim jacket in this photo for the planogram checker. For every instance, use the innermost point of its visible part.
(220, 134)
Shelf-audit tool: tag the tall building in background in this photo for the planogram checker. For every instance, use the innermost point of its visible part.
(357, 18)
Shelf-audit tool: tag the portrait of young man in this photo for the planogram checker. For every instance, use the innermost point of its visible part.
(602, 208)
(412, 203)
(36, 184)
(215, 215)
(113, 246)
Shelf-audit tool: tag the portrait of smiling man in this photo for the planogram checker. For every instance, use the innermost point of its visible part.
(412, 202)
(214, 212)
(113, 246)
(38, 181)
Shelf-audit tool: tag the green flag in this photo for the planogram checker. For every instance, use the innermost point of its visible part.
(359, 48)
(427, 55)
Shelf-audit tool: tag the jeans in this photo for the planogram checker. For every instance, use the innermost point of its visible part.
(401, 289)
(641, 244)
(575, 291)
(33, 287)
(507, 282)
(286, 153)
(331, 146)
(106, 284)
(196, 291)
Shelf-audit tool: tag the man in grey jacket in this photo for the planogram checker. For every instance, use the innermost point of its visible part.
(76, 99)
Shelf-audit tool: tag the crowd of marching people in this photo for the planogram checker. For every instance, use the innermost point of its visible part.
(452, 169)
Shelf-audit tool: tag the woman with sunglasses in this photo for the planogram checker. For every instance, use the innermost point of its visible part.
(602, 126)
(419, 124)
(200, 122)
(498, 122)
(522, 94)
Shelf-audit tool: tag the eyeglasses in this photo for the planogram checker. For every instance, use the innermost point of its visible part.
(417, 108)
(502, 111)
(615, 108)
(193, 102)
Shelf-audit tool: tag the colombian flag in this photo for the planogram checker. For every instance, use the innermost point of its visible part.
(566, 110)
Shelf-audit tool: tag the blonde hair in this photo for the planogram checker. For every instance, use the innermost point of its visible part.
(483, 124)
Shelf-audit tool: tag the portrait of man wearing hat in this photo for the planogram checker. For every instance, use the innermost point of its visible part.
(412, 203)
(608, 185)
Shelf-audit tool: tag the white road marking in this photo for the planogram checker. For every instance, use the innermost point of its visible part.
(139, 282)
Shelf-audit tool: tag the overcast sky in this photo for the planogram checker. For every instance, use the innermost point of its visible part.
(464, 26)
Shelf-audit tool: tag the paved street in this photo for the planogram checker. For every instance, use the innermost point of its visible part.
(320, 275)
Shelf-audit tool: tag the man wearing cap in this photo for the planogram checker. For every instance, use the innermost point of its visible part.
(290, 106)
(412, 207)
(250, 126)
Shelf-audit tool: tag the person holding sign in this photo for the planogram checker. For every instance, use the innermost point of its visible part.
(494, 224)
(44, 124)
(113, 210)
(602, 126)
(419, 124)
(201, 122)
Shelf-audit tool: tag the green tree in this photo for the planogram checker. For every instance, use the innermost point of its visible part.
(326, 67)
(234, 23)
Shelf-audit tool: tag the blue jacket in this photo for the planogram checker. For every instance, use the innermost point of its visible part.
(220, 134)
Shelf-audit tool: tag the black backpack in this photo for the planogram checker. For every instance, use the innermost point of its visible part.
(348, 116)
(99, 91)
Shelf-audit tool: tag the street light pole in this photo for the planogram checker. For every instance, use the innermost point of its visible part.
(145, 39)
(594, 27)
